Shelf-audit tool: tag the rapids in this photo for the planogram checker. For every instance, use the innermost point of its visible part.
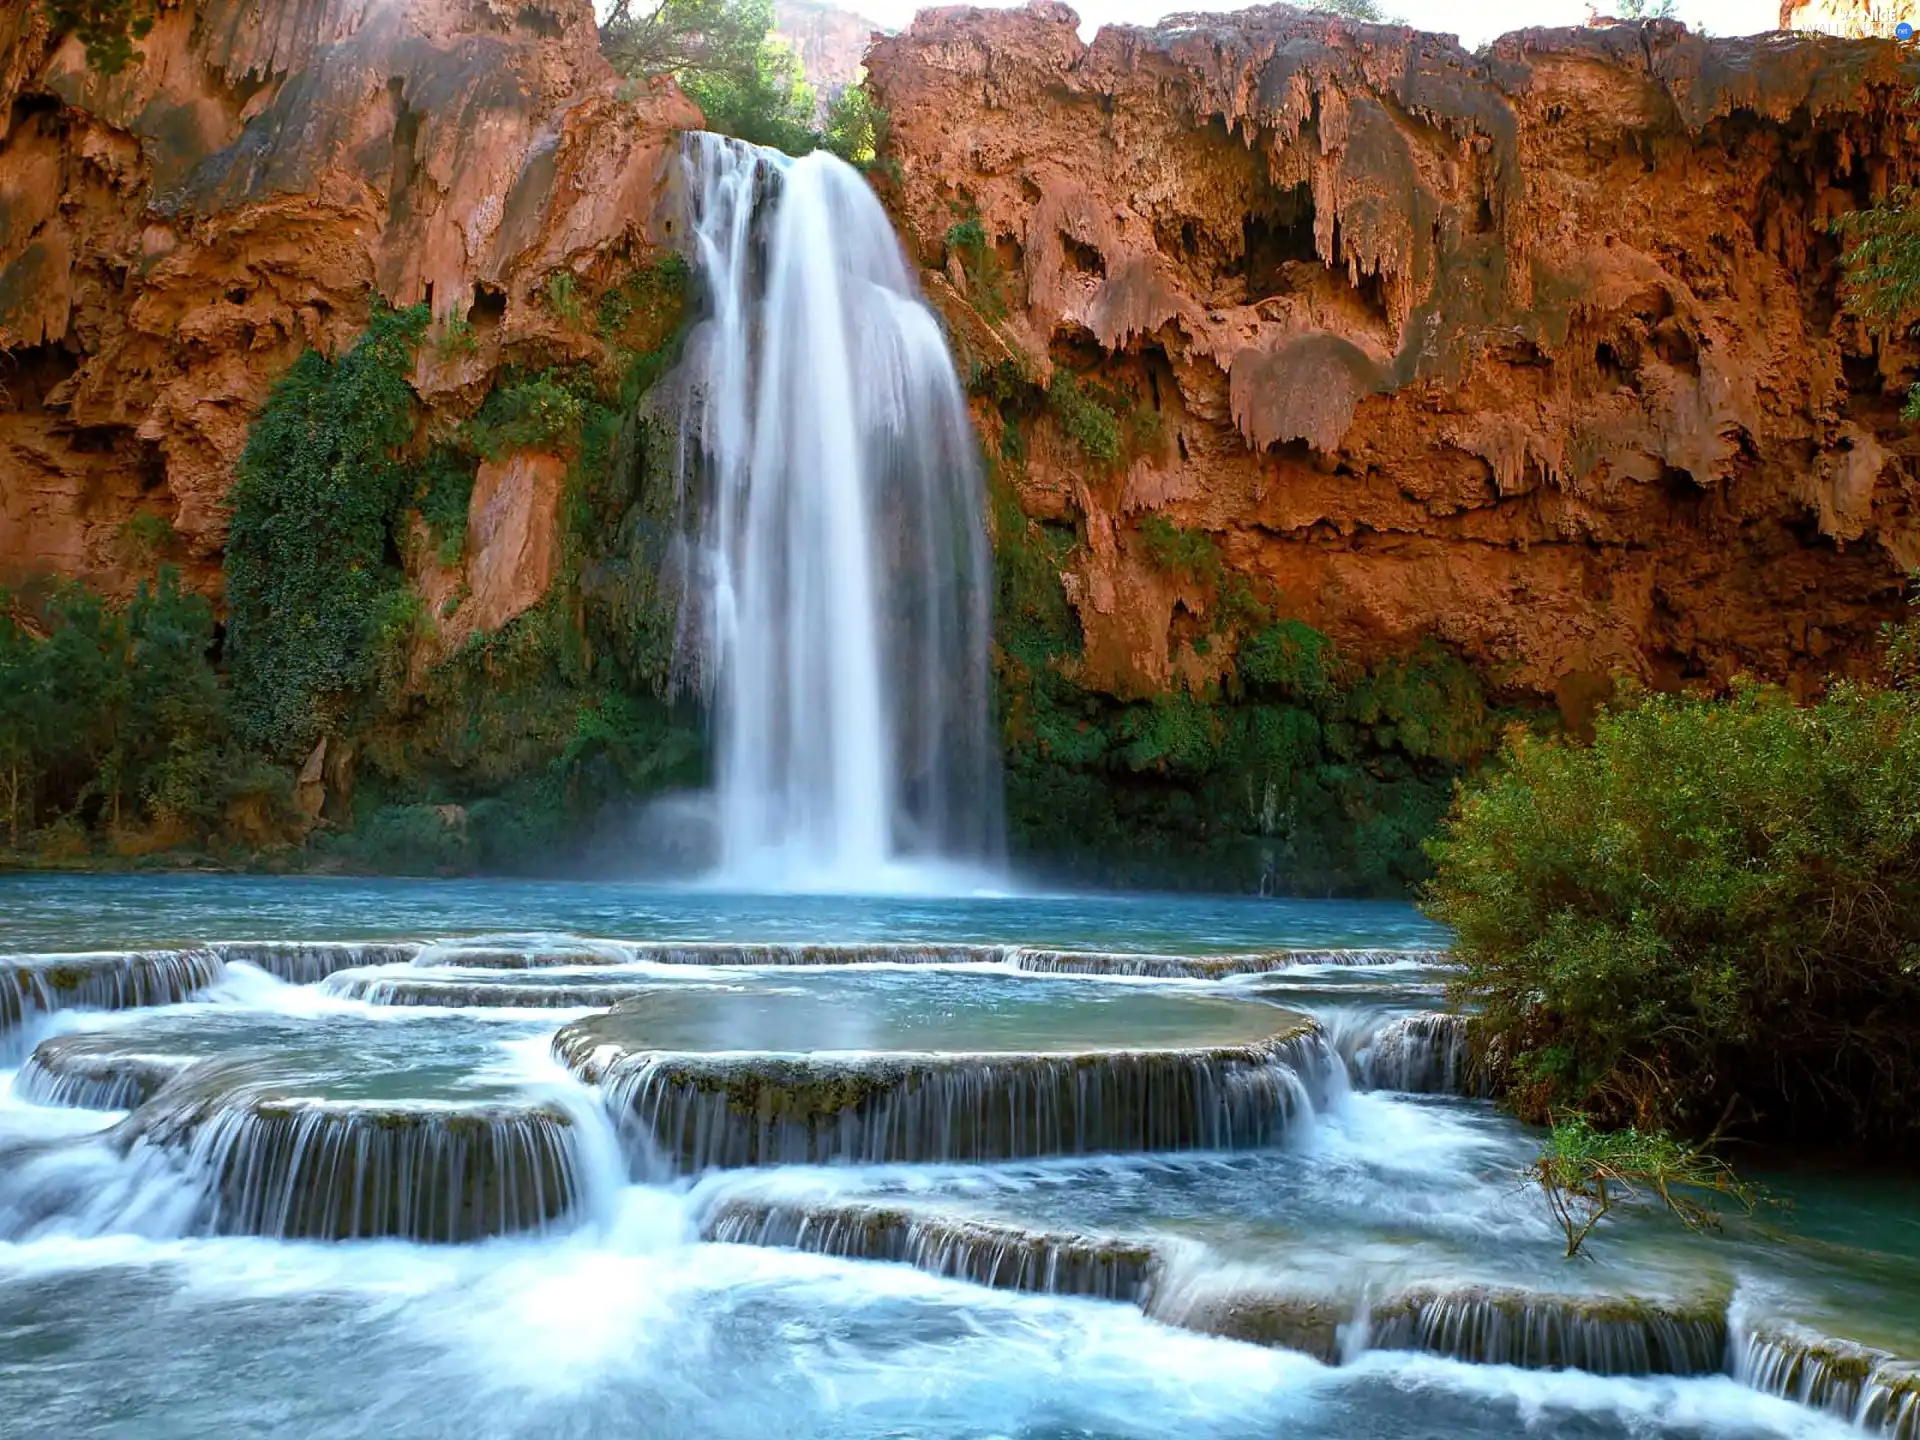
(415, 1167)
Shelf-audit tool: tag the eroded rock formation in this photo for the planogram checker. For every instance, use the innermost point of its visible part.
(1538, 351)
(173, 237)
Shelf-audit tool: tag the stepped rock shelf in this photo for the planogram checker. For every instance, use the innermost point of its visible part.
(1276, 1146)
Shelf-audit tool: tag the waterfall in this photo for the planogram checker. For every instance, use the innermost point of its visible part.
(999, 1256)
(838, 576)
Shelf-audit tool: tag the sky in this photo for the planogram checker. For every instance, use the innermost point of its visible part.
(1475, 24)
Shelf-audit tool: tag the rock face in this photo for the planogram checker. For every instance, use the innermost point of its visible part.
(1537, 351)
(831, 43)
(173, 237)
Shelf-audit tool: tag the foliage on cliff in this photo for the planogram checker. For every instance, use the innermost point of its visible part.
(147, 729)
(1715, 904)
(314, 593)
(747, 82)
(1305, 773)
(115, 720)
(108, 28)
(1883, 268)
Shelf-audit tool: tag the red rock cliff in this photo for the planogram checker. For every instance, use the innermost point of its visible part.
(172, 238)
(1537, 351)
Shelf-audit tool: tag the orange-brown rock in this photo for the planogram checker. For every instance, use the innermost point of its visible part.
(509, 559)
(173, 237)
(1538, 350)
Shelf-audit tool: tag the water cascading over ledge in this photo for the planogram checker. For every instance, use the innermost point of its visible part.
(838, 575)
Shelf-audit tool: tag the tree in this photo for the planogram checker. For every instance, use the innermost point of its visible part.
(705, 37)
(312, 587)
(747, 83)
(23, 718)
(176, 725)
(1646, 9)
(856, 126)
(1585, 1173)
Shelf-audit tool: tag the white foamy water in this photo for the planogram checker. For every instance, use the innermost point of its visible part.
(837, 611)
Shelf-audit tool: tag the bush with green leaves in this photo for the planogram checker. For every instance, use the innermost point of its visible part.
(746, 81)
(1586, 1173)
(1714, 904)
(311, 559)
(114, 717)
(1091, 424)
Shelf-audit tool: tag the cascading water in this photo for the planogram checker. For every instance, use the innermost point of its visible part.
(837, 604)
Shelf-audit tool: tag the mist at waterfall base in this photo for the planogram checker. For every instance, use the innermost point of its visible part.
(834, 567)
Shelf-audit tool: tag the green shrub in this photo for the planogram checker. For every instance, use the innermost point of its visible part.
(407, 840)
(968, 239)
(1715, 903)
(563, 296)
(108, 28)
(1585, 1173)
(456, 338)
(116, 717)
(443, 494)
(1883, 266)
(1289, 659)
(1191, 553)
(310, 553)
(529, 412)
(857, 127)
(1092, 426)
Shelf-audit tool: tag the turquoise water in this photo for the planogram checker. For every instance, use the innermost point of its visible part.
(120, 1315)
(74, 912)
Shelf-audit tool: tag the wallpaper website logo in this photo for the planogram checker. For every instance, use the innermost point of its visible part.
(1903, 31)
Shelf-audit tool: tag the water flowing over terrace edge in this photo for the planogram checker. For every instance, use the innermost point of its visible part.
(292, 1168)
(1877, 1391)
(836, 610)
(35, 985)
(1173, 1282)
(686, 1113)
(1427, 1054)
(1019, 957)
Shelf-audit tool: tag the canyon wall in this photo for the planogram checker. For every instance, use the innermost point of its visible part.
(173, 237)
(1537, 351)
